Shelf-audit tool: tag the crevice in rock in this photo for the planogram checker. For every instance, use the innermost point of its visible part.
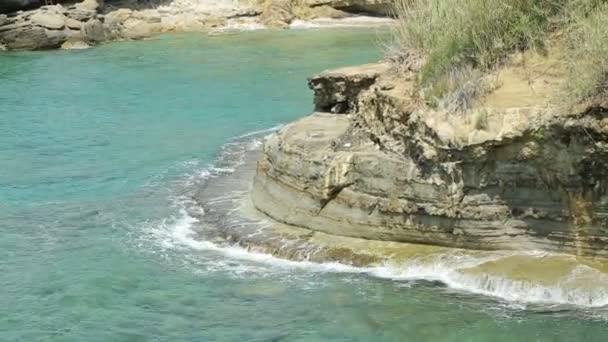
(331, 195)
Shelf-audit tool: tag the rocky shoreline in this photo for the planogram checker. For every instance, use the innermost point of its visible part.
(76, 25)
(516, 173)
(224, 216)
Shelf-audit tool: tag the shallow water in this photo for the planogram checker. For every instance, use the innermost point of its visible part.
(99, 150)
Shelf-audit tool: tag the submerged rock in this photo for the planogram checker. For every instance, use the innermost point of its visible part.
(389, 168)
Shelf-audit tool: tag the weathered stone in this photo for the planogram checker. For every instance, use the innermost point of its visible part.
(50, 20)
(337, 91)
(13, 25)
(93, 31)
(89, 5)
(80, 15)
(74, 44)
(32, 38)
(73, 24)
(277, 13)
(138, 29)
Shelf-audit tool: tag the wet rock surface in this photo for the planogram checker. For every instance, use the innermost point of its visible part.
(387, 168)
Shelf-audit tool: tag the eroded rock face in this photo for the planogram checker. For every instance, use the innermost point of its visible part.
(521, 178)
(338, 91)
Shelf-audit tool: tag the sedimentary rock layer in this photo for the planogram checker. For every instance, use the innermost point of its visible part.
(379, 165)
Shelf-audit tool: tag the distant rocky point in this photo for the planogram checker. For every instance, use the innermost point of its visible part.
(34, 25)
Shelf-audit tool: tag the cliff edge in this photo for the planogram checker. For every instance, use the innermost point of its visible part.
(515, 171)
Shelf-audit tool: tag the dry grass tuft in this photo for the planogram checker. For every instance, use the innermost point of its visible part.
(455, 41)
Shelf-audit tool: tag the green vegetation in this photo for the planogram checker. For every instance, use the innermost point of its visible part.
(457, 36)
(586, 47)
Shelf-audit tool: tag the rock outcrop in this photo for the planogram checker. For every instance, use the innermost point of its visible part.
(49, 27)
(93, 21)
(376, 163)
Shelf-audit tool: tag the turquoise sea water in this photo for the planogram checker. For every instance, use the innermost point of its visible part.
(95, 147)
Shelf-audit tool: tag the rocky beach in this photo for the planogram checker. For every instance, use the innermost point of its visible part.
(34, 25)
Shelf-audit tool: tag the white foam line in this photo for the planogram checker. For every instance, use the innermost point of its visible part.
(452, 276)
(260, 132)
(181, 234)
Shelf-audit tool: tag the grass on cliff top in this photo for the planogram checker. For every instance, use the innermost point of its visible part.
(457, 40)
(586, 46)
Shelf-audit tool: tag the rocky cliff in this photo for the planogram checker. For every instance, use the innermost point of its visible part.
(373, 162)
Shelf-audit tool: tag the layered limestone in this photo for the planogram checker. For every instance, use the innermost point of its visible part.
(515, 171)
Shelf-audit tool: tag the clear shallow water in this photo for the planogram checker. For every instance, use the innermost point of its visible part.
(95, 147)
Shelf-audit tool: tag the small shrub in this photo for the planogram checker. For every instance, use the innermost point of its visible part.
(462, 34)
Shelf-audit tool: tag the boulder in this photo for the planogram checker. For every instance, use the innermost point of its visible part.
(50, 20)
(93, 31)
(45, 28)
(32, 38)
(277, 13)
(73, 24)
(75, 44)
(80, 14)
(89, 5)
